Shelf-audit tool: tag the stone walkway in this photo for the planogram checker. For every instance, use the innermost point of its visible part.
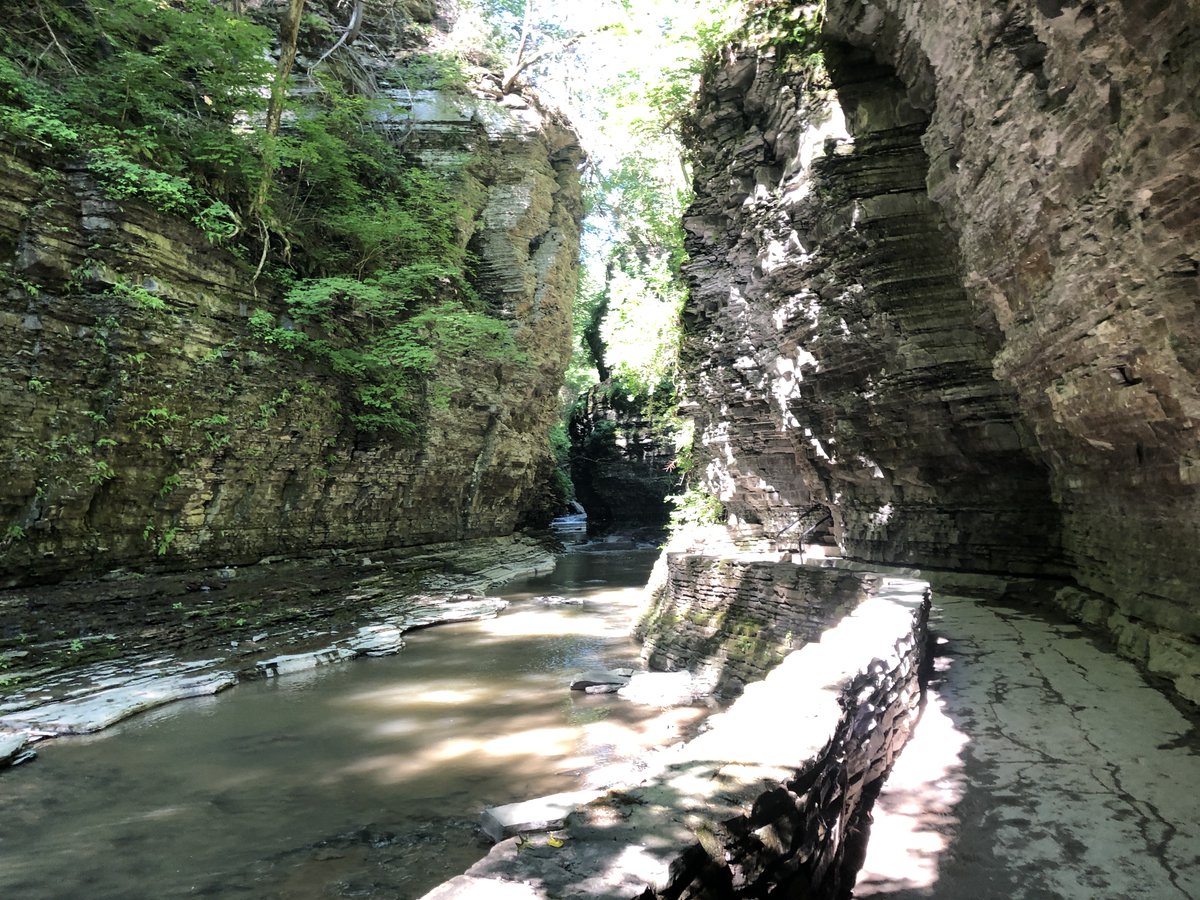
(1043, 767)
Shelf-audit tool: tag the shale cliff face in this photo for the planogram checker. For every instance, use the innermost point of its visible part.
(157, 431)
(953, 301)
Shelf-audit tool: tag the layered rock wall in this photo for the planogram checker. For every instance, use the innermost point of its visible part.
(954, 300)
(838, 362)
(730, 621)
(146, 427)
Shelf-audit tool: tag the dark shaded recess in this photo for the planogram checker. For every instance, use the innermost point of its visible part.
(963, 487)
(621, 465)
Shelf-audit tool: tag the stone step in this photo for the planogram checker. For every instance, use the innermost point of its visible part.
(538, 814)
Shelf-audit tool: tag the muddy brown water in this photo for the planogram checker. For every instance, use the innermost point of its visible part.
(359, 780)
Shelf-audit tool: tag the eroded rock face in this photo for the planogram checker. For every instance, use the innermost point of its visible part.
(140, 435)
(831, 324)
(955, 300)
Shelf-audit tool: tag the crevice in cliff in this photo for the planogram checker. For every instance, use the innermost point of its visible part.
(482, 461)
(960, 441)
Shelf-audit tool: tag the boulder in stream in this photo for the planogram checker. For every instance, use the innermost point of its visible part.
(12, 749)
(557, 600)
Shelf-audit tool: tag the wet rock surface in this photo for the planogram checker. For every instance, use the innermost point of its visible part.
(92, 654)
(614, 679)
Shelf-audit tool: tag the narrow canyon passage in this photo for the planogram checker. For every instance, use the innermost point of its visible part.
(1043, 767)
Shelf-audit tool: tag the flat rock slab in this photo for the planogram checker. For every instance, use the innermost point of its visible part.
(1043, 766)
(539, 814)
(94, 712)
(663, 689)
(302, 662)
(91, 699)
(585, 680)
(424, 610)
(385, 638)
(11, 746)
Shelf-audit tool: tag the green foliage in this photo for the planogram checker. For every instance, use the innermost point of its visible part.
(101, 472)
(160, 541)
(368, 332)
(354, 204)
(695, 506)
(560, 443)
(164, 100)
(793, 29)
(633, 398)
(139, 296)
(169, 484)
(433, 70)
(165, 540)
(218, 222)
(122, 177)
(562, 488)
(153, 94)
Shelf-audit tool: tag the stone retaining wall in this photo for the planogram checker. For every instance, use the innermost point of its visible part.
(804, 836)
(730, 621)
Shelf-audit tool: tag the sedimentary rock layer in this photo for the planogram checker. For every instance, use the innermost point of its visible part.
(730, 621)
(162, 433)
(954, 300)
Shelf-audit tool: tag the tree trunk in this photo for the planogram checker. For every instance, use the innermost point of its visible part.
(289, 34)
(348, 36)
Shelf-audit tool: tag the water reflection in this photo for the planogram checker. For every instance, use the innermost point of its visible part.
(372, 773)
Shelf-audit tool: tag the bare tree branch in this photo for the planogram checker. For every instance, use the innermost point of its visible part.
(523, 63)
(348, 36)
(54, 38)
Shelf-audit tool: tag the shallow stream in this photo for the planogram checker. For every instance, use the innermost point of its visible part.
(363, 779)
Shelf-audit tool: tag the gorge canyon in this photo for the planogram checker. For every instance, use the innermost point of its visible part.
(940, 345)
